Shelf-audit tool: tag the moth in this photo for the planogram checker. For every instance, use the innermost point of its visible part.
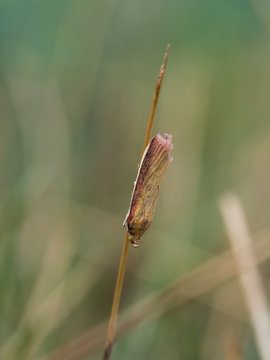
(155, 161)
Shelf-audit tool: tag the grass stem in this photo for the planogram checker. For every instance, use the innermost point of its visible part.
(122, 266)
(116, 300)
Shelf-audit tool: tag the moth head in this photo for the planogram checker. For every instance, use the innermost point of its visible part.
(135, 240)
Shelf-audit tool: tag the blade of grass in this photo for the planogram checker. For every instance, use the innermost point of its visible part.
(251, 282)
(123, 261)
(204, 278)
(151, 117)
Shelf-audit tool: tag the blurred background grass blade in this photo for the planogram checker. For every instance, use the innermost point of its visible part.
(247, 270)
(215, 276)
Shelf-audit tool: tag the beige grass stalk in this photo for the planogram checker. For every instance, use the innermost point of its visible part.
(203, 279)
(122, 266)
(248, 273)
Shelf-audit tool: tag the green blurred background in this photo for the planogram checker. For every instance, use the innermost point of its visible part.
(77, 79)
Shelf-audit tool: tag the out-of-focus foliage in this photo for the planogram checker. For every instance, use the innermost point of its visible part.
(77, 79)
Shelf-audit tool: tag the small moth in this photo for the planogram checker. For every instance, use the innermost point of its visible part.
(155, 160)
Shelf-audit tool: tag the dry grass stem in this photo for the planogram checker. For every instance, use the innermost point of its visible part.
(201, 280)
(116, 300)
(122, 266)
(249, 276)
(151, 117)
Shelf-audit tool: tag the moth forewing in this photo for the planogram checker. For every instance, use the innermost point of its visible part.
(154, 163)
(135, 183)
